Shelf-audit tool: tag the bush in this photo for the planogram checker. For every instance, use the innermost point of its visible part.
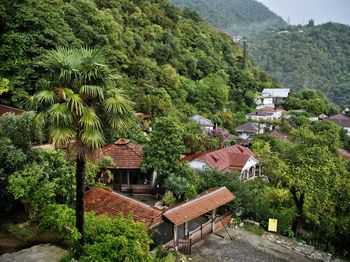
(191, 192)
(106, 239)
(169, 199)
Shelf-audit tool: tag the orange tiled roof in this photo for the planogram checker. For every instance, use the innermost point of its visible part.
(125, 155)
(102, 201)
(200, 205)
(8, 109)
(225, 159)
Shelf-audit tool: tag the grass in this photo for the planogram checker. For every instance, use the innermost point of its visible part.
(255, 230)
(22, 230)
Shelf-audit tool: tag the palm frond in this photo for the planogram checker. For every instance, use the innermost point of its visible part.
(119, 111)
(40, 119)
(90, 120)
(61, 135)
(92, 91)
(45, 98)
(92, 138)
(60, 115)
(74, 101)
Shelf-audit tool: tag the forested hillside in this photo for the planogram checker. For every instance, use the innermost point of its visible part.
(309, 57)
(167, 60)
(235, 17)
(300, 57)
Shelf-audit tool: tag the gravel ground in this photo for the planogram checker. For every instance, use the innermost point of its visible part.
(244, 247)
(39, 253)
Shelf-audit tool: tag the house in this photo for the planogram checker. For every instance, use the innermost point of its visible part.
(264, 102)
(341, 120)
(280, 135)
(249, 130)
(234, 158)
(127, 158)
(322, 117)
(184, 217)
(206, 124)
(102, 201)
(279, 95)
(271, 96)
(143, 121)
(266, 114)
(186, 222)
(10, 110)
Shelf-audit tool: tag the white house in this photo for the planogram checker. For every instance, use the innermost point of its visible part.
(206, 124)
(279, 95)
(263, 102)
(271, 96)
(266, 114)
(249, 130)
(234, 158)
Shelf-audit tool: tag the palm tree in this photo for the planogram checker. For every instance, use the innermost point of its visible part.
(79, 102)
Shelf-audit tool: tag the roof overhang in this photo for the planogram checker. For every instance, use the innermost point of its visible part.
(200, 205)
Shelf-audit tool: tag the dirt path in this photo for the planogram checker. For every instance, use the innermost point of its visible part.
(244, 247)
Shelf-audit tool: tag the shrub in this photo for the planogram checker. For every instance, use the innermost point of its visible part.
(169, 198)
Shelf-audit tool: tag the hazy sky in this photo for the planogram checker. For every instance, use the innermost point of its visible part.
(301, 11)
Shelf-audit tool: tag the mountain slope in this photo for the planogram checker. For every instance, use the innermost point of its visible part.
(235, 17)
(299, 56)
(315, 57)
(167, 60)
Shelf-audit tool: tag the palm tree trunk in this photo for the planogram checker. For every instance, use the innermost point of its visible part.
(79, 207)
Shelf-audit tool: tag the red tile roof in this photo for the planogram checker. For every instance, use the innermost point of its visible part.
(225, 159)
(102, 201)
(125, 155)
(279, 135)
(344, 153)
(142, 116)
(200, 205)
(7, 109)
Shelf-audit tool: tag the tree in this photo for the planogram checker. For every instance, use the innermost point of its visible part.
(16, 134)
(162, 152)
(78, 102)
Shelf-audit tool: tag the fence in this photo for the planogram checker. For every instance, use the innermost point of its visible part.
(184, 245)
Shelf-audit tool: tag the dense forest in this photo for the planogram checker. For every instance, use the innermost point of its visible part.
(235, 17)
(309, 57)
(299, 56)
(86, 67)
(167, 60)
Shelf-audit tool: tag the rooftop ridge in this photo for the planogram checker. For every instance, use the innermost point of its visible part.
(195, 199)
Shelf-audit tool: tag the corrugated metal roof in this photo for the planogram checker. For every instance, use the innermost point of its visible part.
(202, 121)
(202, 204)
(102, 201)
(276, 92)
(248, 127)
(340, 119)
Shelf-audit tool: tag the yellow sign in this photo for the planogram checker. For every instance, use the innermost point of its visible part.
(272, 225)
